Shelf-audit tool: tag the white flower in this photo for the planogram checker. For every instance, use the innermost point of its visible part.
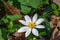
(30, 25)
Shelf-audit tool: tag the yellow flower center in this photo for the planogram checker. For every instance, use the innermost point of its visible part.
(31, 24)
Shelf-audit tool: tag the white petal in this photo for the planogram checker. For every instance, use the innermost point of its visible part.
(27, 18)
(35, 32)
(28, 32)
(23, 22)
(39, 21)
(23, 29)
(34, 18)
(40, 26)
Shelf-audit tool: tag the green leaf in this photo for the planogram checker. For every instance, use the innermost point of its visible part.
(35, 3)
(13, 17)
(1, 38)
(45, 1)
(32, 3)
(35, 39)
(10, 2)
(56, 12)
(24, 2)
(47, 27)
(25, 6)
(6, 18)
(25, 10)
(4, 33)
(10, 25)
(47, 9)
(43, 33)
(0, 32)
(17, 26)
(54, 6)
(30, 37)
(55, 9)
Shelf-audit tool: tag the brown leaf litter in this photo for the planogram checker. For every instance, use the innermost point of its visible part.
(55, 26)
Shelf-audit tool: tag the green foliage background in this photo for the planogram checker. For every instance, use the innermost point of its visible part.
(28, 7)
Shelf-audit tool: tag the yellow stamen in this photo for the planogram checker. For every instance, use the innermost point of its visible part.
(31, 24)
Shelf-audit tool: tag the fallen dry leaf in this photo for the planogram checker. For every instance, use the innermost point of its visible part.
(11, 10)
(57, 2)
(55, 24)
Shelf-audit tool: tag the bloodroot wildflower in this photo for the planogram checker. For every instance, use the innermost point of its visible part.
(31, 25)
